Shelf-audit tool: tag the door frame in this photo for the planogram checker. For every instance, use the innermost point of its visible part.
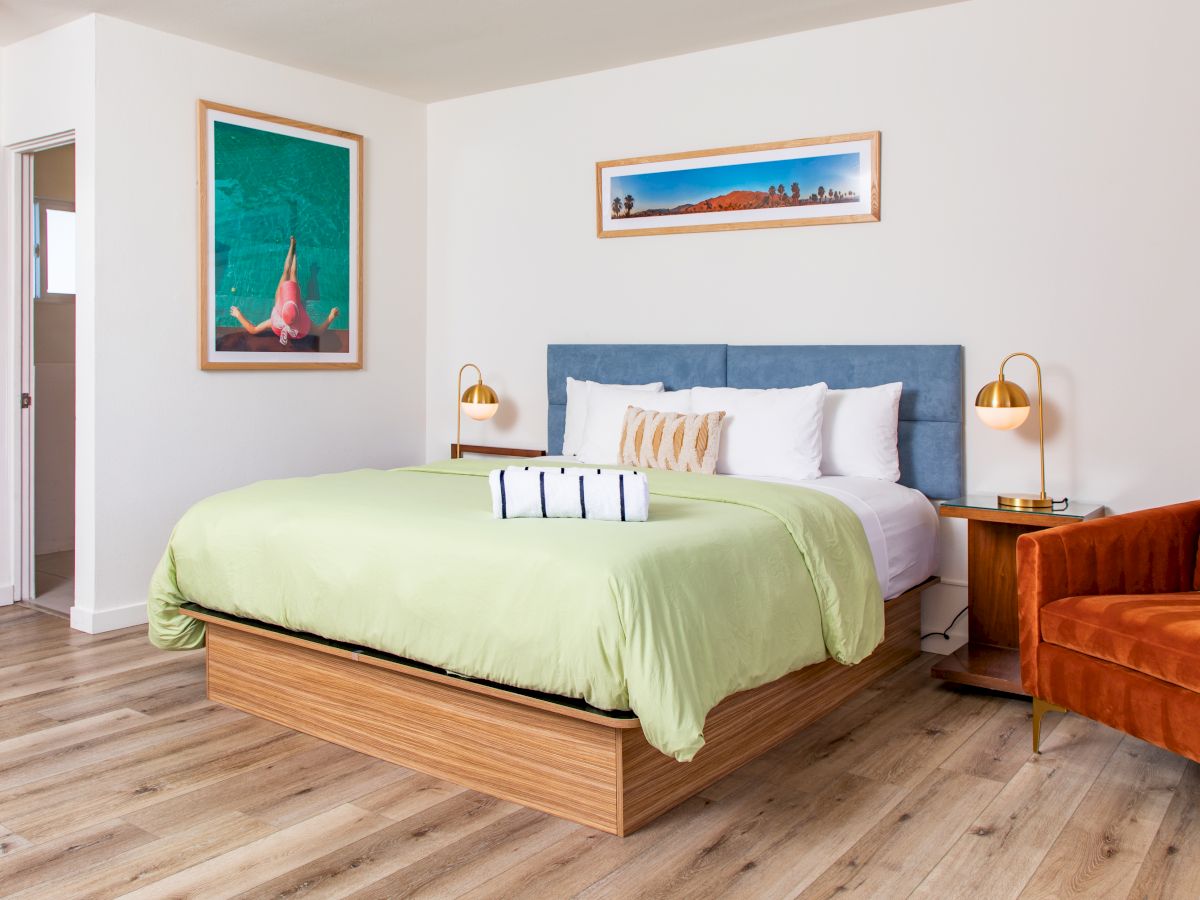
(18, 163)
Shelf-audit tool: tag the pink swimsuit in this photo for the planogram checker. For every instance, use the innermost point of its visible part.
(289, 318)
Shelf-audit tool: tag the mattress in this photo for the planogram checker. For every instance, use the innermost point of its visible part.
(731, 584)
(900, 522)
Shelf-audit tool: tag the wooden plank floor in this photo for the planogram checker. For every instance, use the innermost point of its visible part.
(118, 778)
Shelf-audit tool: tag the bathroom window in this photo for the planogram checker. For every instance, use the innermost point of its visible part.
(55, 242)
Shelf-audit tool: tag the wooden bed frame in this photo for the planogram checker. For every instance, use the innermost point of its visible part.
(562, 758)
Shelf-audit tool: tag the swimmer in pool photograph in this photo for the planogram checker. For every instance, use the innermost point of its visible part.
(289, 318)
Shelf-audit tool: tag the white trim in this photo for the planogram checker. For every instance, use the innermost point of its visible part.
(19, 174)
(94, 621)
(22, 357)
(49, 142)
(6, 595)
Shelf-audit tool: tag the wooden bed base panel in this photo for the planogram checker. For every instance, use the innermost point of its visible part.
(590, 768)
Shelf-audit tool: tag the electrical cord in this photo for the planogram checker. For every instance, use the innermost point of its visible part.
(946, 633)
(1064, 502)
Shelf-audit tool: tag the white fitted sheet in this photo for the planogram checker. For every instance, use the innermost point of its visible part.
(900, 522)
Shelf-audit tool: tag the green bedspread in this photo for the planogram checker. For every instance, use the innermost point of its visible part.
(731, 584)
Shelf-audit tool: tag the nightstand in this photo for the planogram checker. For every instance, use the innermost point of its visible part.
(456, 451)
(991, 658)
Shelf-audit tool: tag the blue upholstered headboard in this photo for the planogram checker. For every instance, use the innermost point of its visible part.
(931, 406)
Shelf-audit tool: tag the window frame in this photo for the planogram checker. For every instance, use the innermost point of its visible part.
(40, 294)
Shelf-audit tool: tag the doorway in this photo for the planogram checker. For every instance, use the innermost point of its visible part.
(48, 380)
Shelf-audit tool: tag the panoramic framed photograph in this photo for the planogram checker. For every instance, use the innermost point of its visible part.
(814, 181)
(280, 242)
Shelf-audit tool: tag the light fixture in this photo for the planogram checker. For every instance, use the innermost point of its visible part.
(1004, 406)
(478, 401)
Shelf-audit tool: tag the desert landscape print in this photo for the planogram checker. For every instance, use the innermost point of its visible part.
(803, 181)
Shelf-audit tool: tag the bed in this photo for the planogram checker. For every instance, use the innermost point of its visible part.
(404, 622)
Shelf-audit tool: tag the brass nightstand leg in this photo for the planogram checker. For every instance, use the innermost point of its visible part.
(1040, 708)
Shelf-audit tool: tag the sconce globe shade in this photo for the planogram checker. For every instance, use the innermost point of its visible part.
(480, 402)
(1002, 405)
(480, 411)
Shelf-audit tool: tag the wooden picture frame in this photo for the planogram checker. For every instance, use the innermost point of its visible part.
(721, 189)
(330, 338)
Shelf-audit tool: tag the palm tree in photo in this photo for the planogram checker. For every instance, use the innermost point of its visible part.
(628, 204)
(781, 193)
(795, 193)
(771, 195)
(616, 206)
(821, 193)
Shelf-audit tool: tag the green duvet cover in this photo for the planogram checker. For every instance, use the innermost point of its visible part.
(731, 584)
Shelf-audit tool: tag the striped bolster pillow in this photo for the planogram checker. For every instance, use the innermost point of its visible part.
(569, 493)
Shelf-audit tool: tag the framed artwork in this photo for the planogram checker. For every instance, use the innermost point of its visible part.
(280, 242)
(814, 181)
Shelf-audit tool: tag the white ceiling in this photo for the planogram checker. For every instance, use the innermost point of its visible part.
(435, 49)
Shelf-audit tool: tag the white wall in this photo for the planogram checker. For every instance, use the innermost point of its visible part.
(154, 433)
(1037, 179)
(1037, 194)
(38, 99)
(167, 434)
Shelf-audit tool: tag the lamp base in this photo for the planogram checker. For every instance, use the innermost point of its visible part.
(1025, 501)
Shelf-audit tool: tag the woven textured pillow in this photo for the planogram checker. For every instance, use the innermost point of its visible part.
(669, 440)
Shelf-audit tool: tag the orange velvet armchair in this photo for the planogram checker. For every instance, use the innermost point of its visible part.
(1109, 618)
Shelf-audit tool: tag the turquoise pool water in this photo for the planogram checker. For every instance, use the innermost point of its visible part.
(268, 187)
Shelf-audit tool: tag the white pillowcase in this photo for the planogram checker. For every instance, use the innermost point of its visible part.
(606, 417)
(577, 407)
(772, 432)
(862, 432)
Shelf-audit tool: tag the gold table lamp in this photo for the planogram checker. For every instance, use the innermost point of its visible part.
(1004, 406)
(478, 401)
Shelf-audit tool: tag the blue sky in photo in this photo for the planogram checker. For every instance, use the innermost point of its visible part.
(655, 190)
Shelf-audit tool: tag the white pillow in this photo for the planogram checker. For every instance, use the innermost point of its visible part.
(606, 417)
(769, 433)
(577, 406)
(861, 432)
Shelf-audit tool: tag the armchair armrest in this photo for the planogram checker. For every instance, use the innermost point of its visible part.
(1152, 551)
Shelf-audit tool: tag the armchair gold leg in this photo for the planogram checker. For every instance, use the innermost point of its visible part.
(1040, 708)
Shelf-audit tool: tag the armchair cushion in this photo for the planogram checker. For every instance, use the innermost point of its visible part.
(1157, 634)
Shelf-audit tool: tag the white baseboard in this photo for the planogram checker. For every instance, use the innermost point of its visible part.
(939, 605)
(7, 594)
(94, 621)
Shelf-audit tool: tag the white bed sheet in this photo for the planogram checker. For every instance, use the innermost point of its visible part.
(901, 526)
(900, 522)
